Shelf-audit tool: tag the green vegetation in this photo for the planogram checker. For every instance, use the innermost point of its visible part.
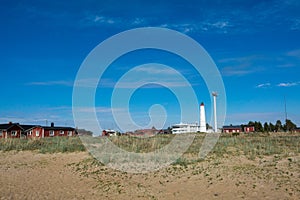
(43, 145)
(250, 145)
(269, 127)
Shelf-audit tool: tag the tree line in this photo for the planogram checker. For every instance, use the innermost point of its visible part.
(269, 127)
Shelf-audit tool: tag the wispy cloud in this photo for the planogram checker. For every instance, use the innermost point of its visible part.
(241, 70)
(295, 25)
(98, 109)
(202, 26)
(98, 19)
(240, 66)
(286, 84)
(263, 85)
(294, 53)
(139, 21)
(156, 70)
(80, 83)
(51, 83)
(242, 59)
(291, 84)
(103, 20)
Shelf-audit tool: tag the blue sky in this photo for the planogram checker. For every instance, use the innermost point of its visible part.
(255, 45)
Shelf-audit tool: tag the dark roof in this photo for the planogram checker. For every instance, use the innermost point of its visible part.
(5, 126)
(28, 127)
(58, 128)
(9, 125)
(232, 127)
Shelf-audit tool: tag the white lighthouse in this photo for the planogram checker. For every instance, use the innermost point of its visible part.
(202, 119)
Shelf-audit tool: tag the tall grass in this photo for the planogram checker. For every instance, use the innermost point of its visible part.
(141, 144)
(43, 145)
(252, 146)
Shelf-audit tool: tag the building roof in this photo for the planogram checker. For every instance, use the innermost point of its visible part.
(9, 125)
(26, 127)
(58, 128)
(232, 127)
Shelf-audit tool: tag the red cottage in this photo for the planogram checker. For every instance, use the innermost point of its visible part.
(249, 129)
(10, 130)
(232, 129)
(296, 130)
(15, 130)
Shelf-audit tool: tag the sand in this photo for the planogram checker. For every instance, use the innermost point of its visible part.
(32, 175)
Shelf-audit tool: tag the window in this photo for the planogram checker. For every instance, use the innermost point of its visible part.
(37, 133)
(1, 133)
(70, 133)
(14, 133)
(30, 133)
(51, 133)
(62, 132)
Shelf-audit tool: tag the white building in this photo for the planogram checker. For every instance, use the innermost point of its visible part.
(185, 128)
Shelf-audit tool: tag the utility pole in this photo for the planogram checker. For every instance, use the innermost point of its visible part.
(214, 94)
(285, 112)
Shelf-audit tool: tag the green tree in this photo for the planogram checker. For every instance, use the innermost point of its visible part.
(266, 127)
(208, 126)
(271, 127)
(278, 126)
(251, 123)
(258, 126)
(289, 125)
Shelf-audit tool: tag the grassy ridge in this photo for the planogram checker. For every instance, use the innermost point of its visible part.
(43, 145)
(252, 146)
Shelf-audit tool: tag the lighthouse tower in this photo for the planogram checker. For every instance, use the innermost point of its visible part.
(202, 119)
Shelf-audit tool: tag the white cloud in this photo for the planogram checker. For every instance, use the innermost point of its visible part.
(242, 59)
(51, 83)
(288, 84)
(219, 25)
(203, 26)
(295, 25)
(147, 84)
(138, 21)
(263, 85)
(156, 70)
(238, 70)
(91, 19)
(182, 27)
(294, 53)
(103, 19)
(97, 109)
(80, 83)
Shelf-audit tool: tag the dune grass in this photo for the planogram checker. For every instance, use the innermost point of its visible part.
(43, 145)
(252, 146)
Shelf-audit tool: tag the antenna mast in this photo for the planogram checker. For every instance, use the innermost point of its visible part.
(214, 94)
(285, 109)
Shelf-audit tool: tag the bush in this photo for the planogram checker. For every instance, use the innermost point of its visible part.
(235, 134)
